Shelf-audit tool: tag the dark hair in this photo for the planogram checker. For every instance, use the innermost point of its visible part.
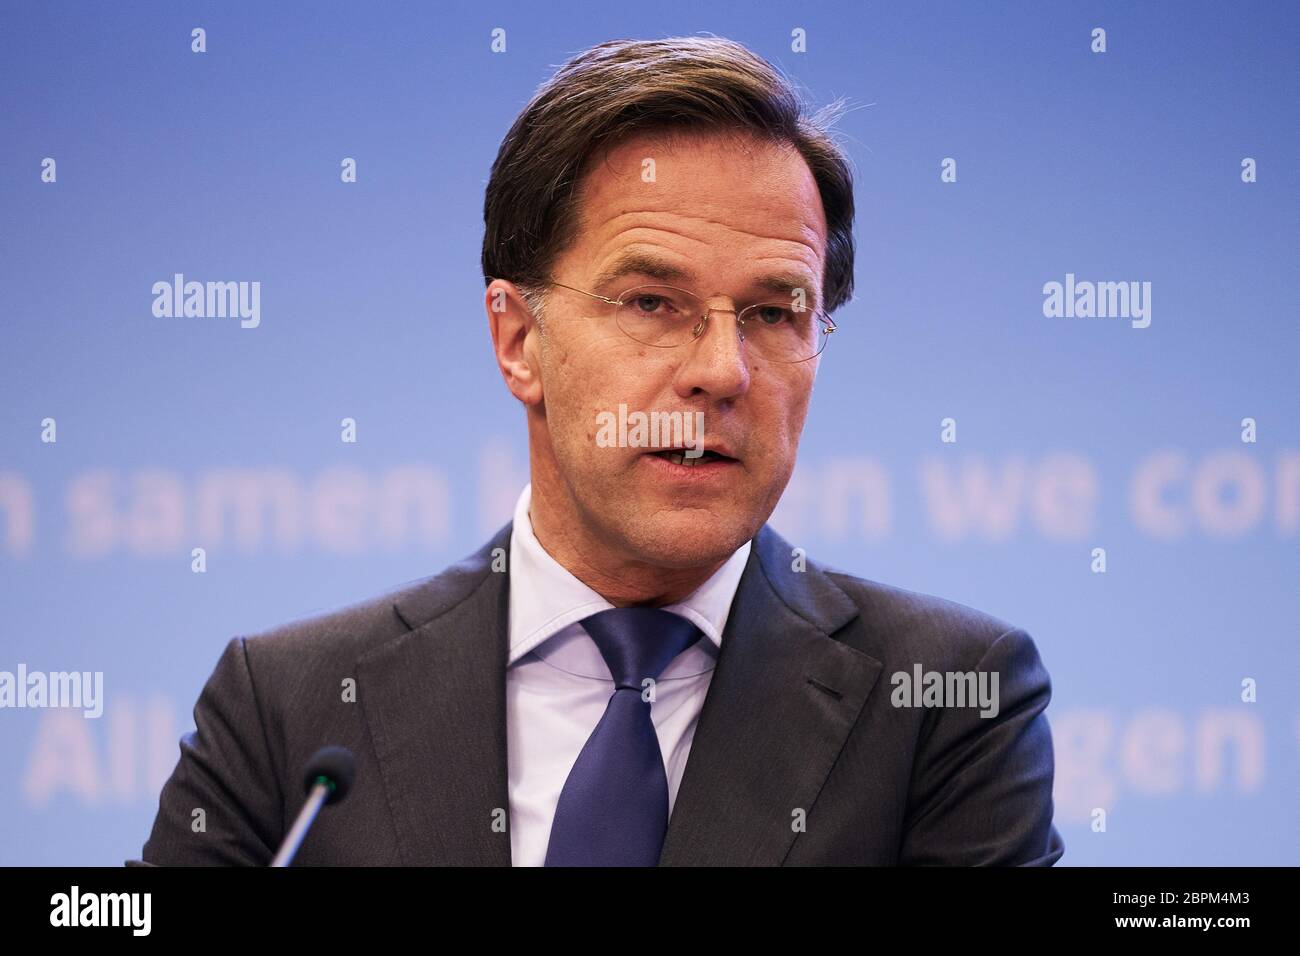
(621, 87)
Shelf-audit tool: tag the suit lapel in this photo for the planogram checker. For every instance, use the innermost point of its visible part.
(434, 702)
(782, 700)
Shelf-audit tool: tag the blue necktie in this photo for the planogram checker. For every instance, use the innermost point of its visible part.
(613, 810)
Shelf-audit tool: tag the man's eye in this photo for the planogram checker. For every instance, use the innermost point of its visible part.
(652, 305)
(774, 314)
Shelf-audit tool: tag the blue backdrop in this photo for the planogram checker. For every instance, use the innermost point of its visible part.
(1175, 671)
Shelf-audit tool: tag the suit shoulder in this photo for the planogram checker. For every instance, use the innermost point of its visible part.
(353, 629)
(921, 626)
(342, 628)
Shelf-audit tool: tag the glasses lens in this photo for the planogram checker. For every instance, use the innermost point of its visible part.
(782, 333)
(659, 315)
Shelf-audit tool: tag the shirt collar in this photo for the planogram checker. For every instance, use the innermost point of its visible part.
(545, 597)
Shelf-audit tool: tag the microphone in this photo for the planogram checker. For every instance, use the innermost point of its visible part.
(327, 779)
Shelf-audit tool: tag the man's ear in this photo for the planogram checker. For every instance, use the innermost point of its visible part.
(514, 340)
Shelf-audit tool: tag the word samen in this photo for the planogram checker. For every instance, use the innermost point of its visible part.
(651, 430)
(209, 300)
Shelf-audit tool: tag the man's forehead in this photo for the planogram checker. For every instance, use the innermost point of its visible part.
(732, 180)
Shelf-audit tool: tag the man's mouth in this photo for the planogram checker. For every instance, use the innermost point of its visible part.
(678, 457)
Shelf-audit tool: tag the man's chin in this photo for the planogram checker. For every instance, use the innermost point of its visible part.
(688, 537)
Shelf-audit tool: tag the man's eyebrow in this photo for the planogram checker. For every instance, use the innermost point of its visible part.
(644, 264)
(654, 267)
(788, 283)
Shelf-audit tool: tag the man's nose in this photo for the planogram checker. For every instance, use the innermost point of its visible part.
(715, 358)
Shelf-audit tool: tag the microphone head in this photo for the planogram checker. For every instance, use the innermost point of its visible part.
(336, 766)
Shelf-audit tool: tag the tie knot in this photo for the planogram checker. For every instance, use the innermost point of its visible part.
(639, 642)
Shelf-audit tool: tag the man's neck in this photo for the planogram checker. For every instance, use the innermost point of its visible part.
(620, 581)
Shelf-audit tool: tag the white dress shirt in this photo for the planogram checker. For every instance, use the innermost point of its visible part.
(558, 685)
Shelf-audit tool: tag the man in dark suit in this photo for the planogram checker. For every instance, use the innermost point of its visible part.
(637, 669)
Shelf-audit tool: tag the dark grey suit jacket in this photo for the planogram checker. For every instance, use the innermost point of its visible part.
(799, 757)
